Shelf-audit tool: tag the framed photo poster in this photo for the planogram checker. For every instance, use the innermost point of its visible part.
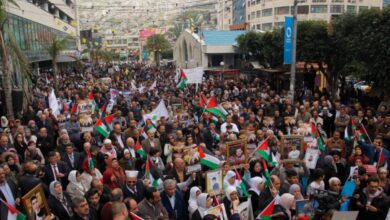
(35, 204)
(214, 181)
(292, 147)
(236, 152)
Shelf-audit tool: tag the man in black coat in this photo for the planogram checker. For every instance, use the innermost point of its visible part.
(45, 142)
(134, 187)
(9, 193)
(173, 201)
(29, 179)
(81, 210)
(73, 159)
(55, 171)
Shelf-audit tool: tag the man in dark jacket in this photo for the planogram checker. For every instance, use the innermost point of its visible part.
(134, 187)
(55, 171)
(9, 193)
(173, 201)
(81, 210)
(45, 142)
(372, 201)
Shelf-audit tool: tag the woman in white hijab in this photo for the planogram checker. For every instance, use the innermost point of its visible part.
(204, 202)
(75, 187)
(192, 202)
(287, 201)
(231, 200)
(257, 185)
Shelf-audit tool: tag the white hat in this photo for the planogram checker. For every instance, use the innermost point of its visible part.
(107, 141)
(4, 122)
(131, 173)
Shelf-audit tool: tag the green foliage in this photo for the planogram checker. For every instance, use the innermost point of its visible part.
(56, 46)
(157, 42)
(167, 54)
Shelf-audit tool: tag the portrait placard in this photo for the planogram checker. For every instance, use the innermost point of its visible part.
(35, 204)
(311, 158)
(219, 211)
(236, 152)
(292, 147)
(214, 181)
(194, 168)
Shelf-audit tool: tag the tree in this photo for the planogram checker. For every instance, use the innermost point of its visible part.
(9, 51)
(157, 44)
(54, 48)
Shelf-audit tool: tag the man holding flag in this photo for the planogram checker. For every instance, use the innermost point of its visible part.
(379, 156)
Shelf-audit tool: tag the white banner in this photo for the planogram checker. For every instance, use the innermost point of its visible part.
(53, 103)
(157, 113)
(194, 76)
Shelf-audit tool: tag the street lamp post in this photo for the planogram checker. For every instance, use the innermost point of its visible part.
(294, 50)
(223, 69)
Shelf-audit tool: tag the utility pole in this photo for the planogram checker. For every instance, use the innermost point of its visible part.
(294, 50)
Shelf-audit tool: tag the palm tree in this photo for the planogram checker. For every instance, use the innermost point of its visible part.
(56, 46)
(9, 51)
(157, 44)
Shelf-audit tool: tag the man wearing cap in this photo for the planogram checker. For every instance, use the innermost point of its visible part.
(134, 187)
(108, 149)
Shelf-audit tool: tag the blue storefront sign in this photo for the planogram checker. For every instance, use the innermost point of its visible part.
(145, 53)
(288, 39)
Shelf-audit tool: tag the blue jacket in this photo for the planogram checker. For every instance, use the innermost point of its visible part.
(180, 209)
(369, 150)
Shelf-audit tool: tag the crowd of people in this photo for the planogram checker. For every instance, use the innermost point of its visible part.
(85, 175)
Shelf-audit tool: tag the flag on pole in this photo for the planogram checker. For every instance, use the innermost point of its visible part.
(203, 101)
(381, 160)
(266, 173)
(347, 138)
(91, 98)
(135, 217)
(13, 213)
(90, 161)
(215, 109)
(263, 150)
(208, 160)
(139, 149)
(267, 212)
(160, 111)
(183, 80)
(74, 108)
(242, 184)
(315, 134)
(104, 125)
(216, 202)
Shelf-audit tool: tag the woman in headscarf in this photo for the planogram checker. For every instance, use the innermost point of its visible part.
(287, 202)
(20, 145)
(255, 168)
(231, 195)
(257, 185)
(192, 202)
(330, 169)
(59, 201)
(90, 172)
(76, 188)
(114, 168)
(204, 202)
(295, 190)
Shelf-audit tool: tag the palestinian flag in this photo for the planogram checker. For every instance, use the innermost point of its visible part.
(183, 80)
(215, 109)
(90, 161)
(139, 149)
(134, 216)
(263, 150)
(381, 160)
(149, 126)
(148, 175)
(266, 173)
(13, 213)
(208, 160)
(242, 184)
(363, 133)
(267, 212)
(315, 134)
(353, 125)
(203, 101)
(95, 106)
(74, 108)
(104, 125)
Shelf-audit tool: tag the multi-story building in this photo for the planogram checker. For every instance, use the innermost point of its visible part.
(224, 14)
(239, 15)
(386, 3)
(268, 14)
(124, 44)
(34, 22)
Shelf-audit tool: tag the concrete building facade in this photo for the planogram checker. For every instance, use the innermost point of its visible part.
(268, 14)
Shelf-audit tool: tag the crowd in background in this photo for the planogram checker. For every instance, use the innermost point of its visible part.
(36, 148)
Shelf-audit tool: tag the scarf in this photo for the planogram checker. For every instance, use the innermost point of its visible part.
(192, 202)
(72, 177)
(60, 197)
(201, 201)
(370, 196)
(254, 183)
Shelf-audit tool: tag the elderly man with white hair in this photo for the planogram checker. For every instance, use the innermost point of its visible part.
(108, 148)
(173, 201)
(334, 198)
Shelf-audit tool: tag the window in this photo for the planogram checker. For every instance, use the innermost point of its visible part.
(258, 14)
(267, 26)
(319, 9)
(258, 27)
(351, 1)
(279, 25)
(362, 8)
(351, 9)
(303, 9)
(282, 10)
(337, 9)
(249, 17)
(318, 1)
(253, 14)
(338, 1)
(253, 27)
(267, 12)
